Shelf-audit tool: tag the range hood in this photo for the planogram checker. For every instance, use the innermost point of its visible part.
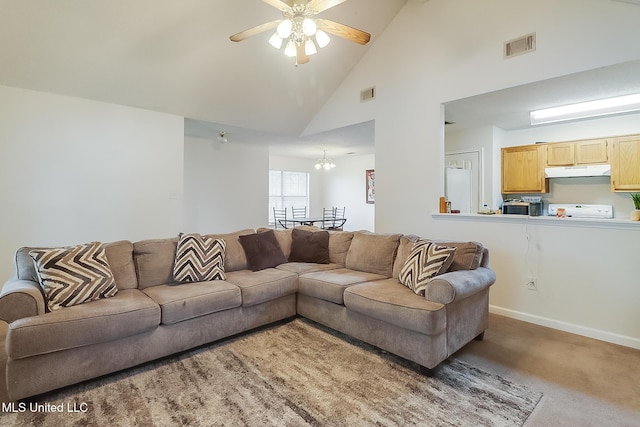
(577, 171)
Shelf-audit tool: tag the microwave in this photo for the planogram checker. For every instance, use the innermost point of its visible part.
(522, 208)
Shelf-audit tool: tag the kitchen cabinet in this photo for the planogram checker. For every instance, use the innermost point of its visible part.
(584, 152)
(560, 154)
(625, 163)
(523, 169)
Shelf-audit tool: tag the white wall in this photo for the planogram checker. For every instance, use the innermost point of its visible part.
(73, 171)
(342, 186)
(226, 186)
(452, 49)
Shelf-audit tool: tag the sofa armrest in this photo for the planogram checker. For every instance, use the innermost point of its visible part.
(20, 298)
(458, 285)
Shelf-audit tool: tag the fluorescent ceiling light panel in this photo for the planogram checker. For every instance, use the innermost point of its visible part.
(583, 110)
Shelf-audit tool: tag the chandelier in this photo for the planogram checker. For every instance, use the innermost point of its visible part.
(300, 30)
(324, 163)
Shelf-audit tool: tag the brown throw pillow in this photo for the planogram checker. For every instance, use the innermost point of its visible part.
(309, 246)
(262, 250)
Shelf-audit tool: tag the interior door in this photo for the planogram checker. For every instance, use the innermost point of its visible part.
(469, 161)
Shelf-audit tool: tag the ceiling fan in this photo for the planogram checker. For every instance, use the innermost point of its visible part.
(302, 30)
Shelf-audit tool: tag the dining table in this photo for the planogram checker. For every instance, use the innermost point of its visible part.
(335, 222)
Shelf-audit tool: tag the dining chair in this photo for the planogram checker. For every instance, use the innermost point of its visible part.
(299, 212)
(279, 218)
(328, 218)
(339, 218)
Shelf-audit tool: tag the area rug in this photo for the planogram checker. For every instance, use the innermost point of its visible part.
(290, 374)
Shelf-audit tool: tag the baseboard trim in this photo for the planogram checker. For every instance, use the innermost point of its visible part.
(568, 327)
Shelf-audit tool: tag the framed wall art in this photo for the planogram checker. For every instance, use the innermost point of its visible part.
(371, 185)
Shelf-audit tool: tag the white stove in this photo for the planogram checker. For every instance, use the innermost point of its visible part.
(582, 211)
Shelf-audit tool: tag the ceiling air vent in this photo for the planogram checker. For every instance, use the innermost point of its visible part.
(368, 94)
(524, 44)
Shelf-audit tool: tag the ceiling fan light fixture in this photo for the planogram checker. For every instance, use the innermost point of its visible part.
(309, 27)
(284, 28)
(290, 50)
(322, 38)
(276, 41)
(310, 47)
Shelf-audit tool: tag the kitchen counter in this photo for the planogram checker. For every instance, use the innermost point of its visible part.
(543, 220)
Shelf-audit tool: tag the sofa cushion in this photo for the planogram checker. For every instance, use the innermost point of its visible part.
(185, 301)
(154, 260)
(262, 250)
(425, 261)
(73, 275)
(404, 248)
(199, 258)
(372, 252)
(119, 256)
(390, 301)
(234, 256)
(339, 243)
(307, 267)
(264, 285)
(128, 313)
(468, 254)
(330, 285)
(309, 246)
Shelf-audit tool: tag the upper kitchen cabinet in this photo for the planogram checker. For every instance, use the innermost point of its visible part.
(560, 154)
(523, 169)
(625, 163)
(585, 152)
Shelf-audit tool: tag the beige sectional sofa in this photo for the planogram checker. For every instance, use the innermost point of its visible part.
(356, 292)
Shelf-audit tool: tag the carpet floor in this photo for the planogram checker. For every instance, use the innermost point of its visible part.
(293, 374)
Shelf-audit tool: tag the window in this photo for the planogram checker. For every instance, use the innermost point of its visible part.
(286, 190)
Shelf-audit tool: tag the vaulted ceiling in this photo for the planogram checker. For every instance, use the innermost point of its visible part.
(175, 56)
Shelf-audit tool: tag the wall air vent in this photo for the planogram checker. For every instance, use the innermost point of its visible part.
(368, 94)
(524, 44)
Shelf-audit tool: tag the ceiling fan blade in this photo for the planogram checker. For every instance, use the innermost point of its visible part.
(344, 31)
(301, 56)
(253, 31)
(321, 5)
(280, 5)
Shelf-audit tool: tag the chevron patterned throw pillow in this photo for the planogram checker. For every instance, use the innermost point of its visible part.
(425, 261)
(199, 258)
(73, 275)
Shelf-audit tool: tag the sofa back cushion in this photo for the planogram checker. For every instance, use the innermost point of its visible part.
(404, 249)
(119, 256)
(234, 256)
(468, 255)
(339, 243)
(154, 259)
(373, 252)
